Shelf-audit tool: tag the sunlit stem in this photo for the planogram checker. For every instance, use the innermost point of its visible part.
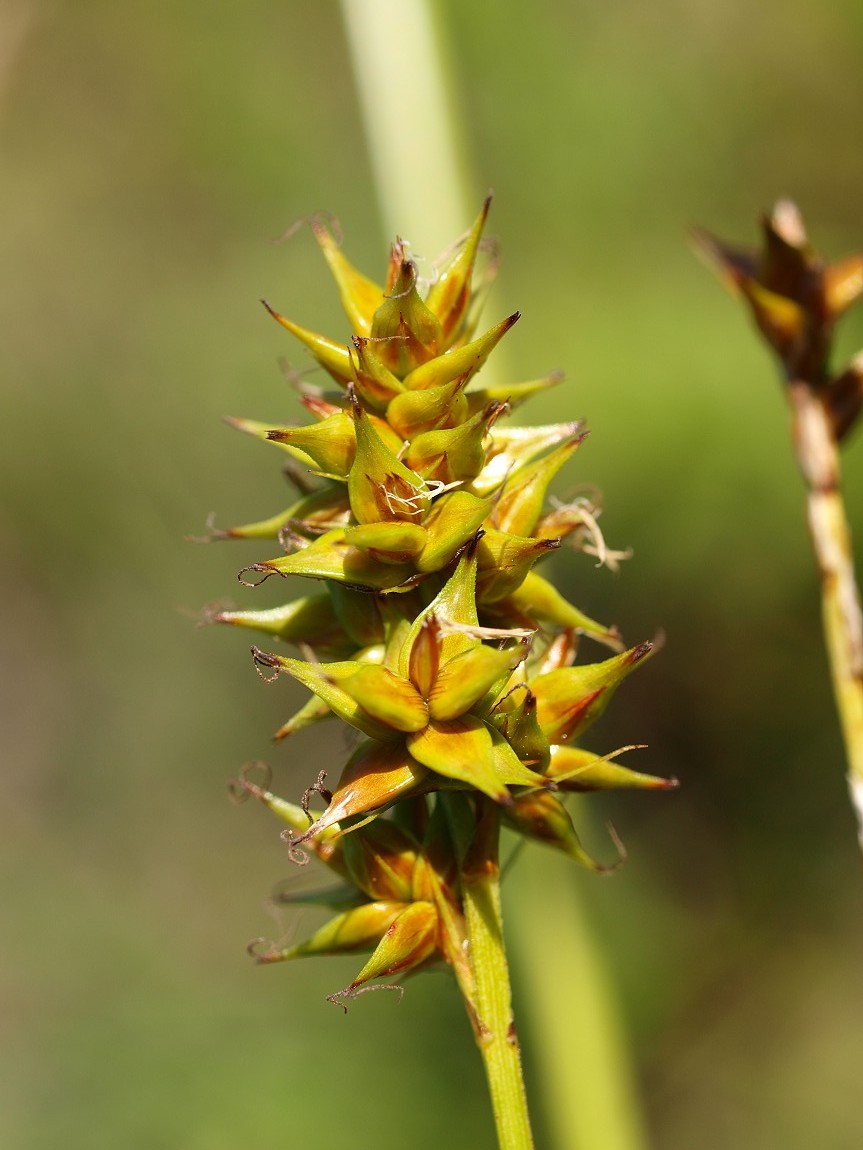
(818, 458)
(495, 1029)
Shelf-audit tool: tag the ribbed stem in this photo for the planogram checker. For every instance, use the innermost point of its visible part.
(495, 1028)
(818, 457)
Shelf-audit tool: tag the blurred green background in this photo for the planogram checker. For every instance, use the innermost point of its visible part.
(150, 152)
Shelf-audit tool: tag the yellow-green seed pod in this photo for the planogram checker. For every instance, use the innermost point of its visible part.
(380, 487)
(575, 769)
(375, 384)
(453, 520)
(388, 698)
(542, 817)
(570, 699)
(463, 681)
(409, 941)
(454, 455)
(309, 620)
(455, 603)
(389, 542)
(325, 680)
(414, 412)
(512, 394)
(537, 602)
(408, 332)
(460, 749)
(460, 363)
(505, 560)
(330, 444)
(515, 717)
(332, 557)
(380, 859)
(375, 776)
(360, 928)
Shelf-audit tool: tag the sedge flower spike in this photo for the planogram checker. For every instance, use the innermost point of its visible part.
(421, 523)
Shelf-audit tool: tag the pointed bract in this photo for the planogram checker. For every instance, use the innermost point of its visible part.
(408, 333)
(360, 296)
(333, 357)
(450, 294)
(461, 363)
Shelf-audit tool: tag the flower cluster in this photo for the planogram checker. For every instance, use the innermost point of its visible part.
(795, 298)
(424, 515)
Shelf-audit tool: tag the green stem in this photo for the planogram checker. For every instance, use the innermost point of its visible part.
(406, 100)
(580, 1046)
(495, 1029)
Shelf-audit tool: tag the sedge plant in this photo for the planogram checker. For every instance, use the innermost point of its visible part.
(421, 520)
(796, 298)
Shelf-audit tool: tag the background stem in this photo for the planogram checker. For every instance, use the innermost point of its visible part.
(818, 458)
(412, 135)
(573, 1025)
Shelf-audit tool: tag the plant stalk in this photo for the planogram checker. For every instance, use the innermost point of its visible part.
(495, 1028)
(817, 454)
(407, 110)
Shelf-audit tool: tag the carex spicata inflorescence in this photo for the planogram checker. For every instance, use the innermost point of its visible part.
(422, 516)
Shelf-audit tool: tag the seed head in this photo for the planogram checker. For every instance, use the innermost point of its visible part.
(423, 514)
